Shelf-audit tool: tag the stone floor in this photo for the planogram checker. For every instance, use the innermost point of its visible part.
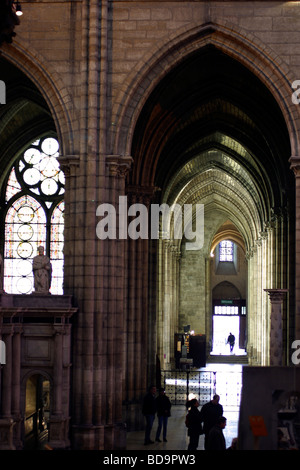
(177, 432)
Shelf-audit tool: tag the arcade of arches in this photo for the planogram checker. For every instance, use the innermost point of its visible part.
(206, 130)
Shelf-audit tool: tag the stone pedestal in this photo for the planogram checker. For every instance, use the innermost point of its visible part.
(276, 297)
(59, 432)
(6, 434)
(36, 330)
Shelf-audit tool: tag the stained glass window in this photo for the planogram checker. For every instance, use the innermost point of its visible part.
(226, 250)
(57, 246)
(34, 216)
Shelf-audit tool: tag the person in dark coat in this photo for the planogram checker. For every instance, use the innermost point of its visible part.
(193, 422)
(163, 409)
(210, 412)
(216, 439)
(231, 341)
(149, 410)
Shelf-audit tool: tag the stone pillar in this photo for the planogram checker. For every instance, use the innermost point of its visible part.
(295, 166)
(140, 328)
(16, 385)
(69, 165)
(58, 422)
(276, 297)
(6, 421)
(110, 327)
(176, 255)
(58, 371)
(7, 334)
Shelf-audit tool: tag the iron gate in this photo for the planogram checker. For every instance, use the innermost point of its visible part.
(181, 385)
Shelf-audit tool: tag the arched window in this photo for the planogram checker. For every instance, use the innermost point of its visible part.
(34, 216)
(226, 251)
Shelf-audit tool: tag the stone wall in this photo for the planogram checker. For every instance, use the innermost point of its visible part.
(96, 63)
(53, 34)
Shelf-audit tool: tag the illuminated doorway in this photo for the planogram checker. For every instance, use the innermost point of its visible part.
(37, 411)
(226, 320)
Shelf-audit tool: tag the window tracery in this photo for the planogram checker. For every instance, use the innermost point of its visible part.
(34, 216)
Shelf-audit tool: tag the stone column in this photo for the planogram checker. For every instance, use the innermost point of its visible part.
(109, 327)
(140, 328)
(69, 165)
(16, 385)
(295, 166)
(57, 419)
(276, 297)
(81, 242)
(6, 421)
(7, 374)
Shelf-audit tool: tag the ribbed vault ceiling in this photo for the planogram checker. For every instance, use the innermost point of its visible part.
(24, 117)
(212, 133)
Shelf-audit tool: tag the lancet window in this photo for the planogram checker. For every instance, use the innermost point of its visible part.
(34, 216)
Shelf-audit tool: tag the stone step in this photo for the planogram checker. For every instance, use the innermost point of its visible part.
(227, 359)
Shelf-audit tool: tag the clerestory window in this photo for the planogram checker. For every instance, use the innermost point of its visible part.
(34, 215)
(226, 251)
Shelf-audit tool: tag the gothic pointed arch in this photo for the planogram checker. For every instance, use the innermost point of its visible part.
(239, 44)
(47, 83)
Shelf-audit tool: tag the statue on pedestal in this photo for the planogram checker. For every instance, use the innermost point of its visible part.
(42, 272)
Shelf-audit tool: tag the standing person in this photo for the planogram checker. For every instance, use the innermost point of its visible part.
(149, 410)
(210, 412)
(193, 423)
(163, 408)
(231, 341)
(216, 439)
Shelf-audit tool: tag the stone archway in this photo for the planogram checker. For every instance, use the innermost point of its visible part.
(200, 138)
(50, 86)
(38, 396)
(239, 44)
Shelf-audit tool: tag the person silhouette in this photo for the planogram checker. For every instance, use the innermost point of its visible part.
(231, 341)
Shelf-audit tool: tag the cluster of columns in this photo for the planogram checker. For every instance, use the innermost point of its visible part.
(267, 266)
(276, 338)
(168, 258)
(295, 167)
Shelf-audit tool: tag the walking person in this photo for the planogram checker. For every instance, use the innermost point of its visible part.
(231, 341)
(149, 410)
(216, 439)
(210, 412)
(163, 409)
(193, 423)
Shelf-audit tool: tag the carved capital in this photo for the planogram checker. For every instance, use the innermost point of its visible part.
(276, 295)
(264, 235)
(258, 242)
(118, 165)
(141, 194)
(295, 165)
(68, 163)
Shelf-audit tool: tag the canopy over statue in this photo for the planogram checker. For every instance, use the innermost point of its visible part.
(42, 272)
